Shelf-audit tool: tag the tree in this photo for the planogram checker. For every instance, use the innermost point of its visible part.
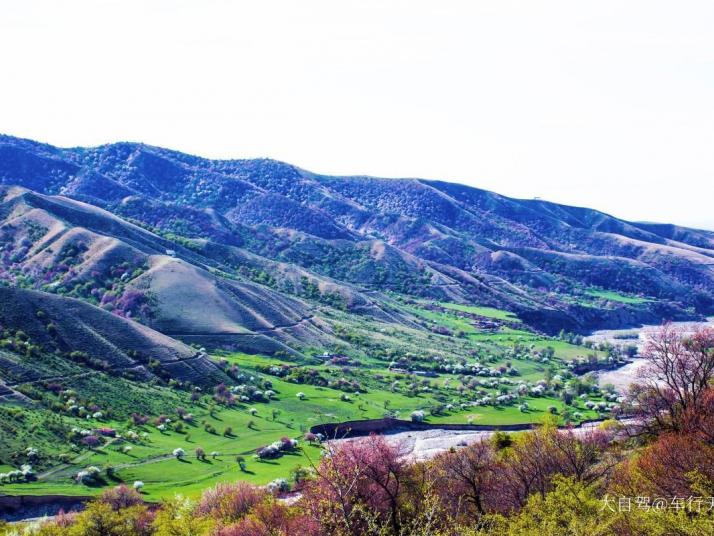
(467, 474)
(175, 518)
(417, 416)
(91, 441)
(583, 457)
(699, 421)
(241, 463)
(533, 460)
(359, 483)
(272, 517)
(675, 465)
(229, 502)
(680, 368)
(571, 508)
(101, 519)
(121, 497)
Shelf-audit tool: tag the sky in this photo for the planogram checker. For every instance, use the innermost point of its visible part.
(605, 104)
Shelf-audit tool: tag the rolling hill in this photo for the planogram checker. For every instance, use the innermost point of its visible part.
(262, 246)
(50, 335)
(319, 299)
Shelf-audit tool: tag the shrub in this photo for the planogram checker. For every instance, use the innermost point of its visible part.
(229, 502)
(121, 497)
(288, 444)
(88, 476)
(417, 416)
(91, 441)
(279, 485)
(241, 463)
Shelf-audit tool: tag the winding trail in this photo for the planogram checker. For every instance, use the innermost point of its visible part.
(257, 331)
(79, 459)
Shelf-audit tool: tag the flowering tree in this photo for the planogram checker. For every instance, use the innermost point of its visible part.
(417, 416)
(88, 476)
(675, 465)
(229, 502)
(121, 497)
(91, 441)
(699, 421)
(358, 483)
(679, 371)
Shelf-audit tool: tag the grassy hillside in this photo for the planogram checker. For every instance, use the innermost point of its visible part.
(153, 301)
(336, 240)
(398, 370)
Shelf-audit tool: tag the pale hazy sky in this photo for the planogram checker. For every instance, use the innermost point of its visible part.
(608, 104)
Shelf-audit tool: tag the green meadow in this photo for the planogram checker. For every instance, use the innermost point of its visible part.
(616, 297)
(229, 433)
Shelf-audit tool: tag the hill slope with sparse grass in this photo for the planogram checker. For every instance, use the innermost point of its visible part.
(293, 230)
(37, 323)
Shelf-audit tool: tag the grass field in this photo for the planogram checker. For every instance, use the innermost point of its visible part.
(240, 430)
(489, 312)
(614, 296)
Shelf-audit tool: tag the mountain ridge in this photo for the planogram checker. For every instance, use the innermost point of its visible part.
(425, 238)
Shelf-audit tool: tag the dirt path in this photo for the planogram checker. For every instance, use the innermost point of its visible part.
(70, 467)
(257, 331)
(79, 459)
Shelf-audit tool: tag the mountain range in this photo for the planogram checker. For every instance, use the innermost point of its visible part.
(262, 256)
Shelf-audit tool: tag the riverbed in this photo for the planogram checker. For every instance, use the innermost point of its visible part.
(419, 445)
(628, 374)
